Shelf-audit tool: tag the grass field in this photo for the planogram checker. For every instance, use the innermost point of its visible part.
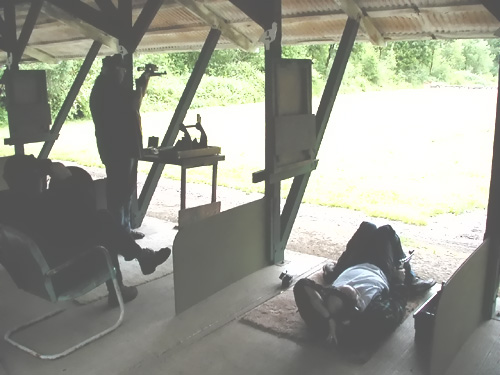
(405, 155)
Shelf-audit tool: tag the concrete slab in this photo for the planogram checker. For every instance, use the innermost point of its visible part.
(150, 331)
(207, 338)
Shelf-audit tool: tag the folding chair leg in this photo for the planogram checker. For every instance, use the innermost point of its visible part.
(8, 338)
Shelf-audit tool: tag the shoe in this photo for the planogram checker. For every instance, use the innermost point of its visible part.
(128, 294)
(136, 235)
(419, 285)
(328, 271)
(150, 259)
(328, 267)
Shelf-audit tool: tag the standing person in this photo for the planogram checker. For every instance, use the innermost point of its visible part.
(115, 112)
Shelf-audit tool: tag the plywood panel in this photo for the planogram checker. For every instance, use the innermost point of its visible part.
(215, 252)
(460, 309)
(295, 134)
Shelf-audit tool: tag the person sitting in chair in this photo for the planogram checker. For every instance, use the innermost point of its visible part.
(367, 293)
(63, 219)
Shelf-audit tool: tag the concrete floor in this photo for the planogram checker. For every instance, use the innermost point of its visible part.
(206, 339)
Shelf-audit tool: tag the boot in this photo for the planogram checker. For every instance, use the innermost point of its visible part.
(150, 259)
(128, 293)
(136, 235)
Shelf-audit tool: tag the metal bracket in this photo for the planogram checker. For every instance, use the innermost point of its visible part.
(269, 36)
(122, 50)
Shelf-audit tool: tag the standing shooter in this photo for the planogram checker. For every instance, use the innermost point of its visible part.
(115, 112)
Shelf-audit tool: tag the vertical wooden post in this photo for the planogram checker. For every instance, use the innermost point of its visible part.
(493, 221)
(178, 117)
(125, 13)
(330, 92)
(11, 35)
(272, 190)
(70, 98)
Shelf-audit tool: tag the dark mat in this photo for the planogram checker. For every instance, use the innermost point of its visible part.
(279, 316)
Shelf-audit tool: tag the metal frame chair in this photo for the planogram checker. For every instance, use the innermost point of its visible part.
(30, 271)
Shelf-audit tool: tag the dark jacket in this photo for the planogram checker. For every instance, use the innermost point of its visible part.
(60, 220)
(117, 120)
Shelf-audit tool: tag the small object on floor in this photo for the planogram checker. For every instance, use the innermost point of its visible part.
(128, 294)
(136, 235)
(150, 259)
(286, 279)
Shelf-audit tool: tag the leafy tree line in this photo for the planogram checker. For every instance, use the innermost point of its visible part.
(235, 77)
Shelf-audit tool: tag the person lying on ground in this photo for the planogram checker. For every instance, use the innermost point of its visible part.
(367, 294)
(63, 219)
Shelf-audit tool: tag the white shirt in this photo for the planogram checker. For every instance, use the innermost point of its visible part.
(367, 279)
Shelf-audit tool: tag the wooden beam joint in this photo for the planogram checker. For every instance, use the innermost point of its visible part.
(219, 23)
(355, 12)
(94, 23)
(493, 6)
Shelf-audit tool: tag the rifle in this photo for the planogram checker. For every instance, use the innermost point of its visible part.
(152, 69)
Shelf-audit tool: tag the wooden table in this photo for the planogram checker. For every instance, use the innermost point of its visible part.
(186, 161)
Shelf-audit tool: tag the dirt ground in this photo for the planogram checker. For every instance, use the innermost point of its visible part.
(441, 246)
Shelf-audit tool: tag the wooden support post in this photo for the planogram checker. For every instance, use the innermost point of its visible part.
(70, 98)
(178, 117)
(24, 36)
(272, 190)
(125, 13)
(493, 222)
(330, 92)
(9, 9)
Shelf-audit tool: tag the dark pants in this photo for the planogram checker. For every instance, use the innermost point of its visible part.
(378, 246)
(74, 224)
(116, 239)
(121, 186)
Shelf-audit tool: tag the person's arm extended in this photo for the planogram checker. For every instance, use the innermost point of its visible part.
(141, 85)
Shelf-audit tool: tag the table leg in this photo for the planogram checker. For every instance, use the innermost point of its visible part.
(183, 188)
(214, 182)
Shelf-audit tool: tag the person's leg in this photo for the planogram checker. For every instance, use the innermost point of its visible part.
(118, 189)
(386, 250)
(315, 320)
(387, 253)
(131, 188)
(132, 193)
(116, 239)
(355, 253)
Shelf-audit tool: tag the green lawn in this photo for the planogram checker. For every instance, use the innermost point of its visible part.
(405, 155)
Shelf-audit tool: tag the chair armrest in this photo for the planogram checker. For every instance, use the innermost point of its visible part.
(76, 259)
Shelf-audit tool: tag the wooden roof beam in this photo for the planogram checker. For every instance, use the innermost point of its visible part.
(219, 23)
(493, 7)
(143, 22)
(40, 55)
(256, 10)
(89, 21)
(107, 6)
(24, 36)
(354, 11)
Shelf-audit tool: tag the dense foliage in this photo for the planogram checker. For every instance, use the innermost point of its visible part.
(235, 77)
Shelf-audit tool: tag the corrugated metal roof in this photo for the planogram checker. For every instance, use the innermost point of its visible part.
(177, 28)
